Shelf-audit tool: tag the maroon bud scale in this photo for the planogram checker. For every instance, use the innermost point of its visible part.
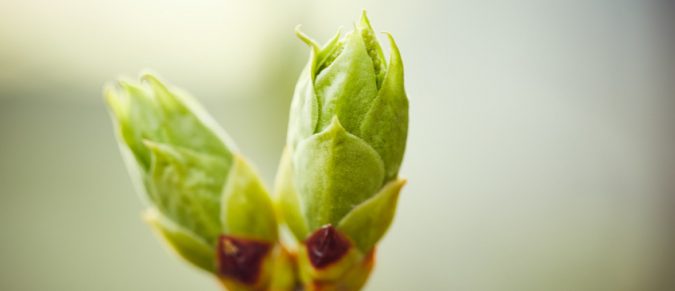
(326, 246)
(241, 259)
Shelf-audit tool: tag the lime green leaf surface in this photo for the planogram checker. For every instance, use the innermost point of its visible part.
(287, 198)
(385, 127)
(304, 106)
(247, 209)
(183, 125)
(185, 186)
(368, 222)
(347, 86)
(373, 46)
(137, 117)
(150, 111)
(335, 171)
(304, 110)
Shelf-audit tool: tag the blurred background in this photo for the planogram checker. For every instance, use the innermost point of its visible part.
(540, 156)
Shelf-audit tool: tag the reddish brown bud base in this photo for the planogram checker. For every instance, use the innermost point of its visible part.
(326, 246)
(241, 259)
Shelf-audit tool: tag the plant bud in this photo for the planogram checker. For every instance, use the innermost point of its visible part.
(338, 179)
(202, 194)
(346, 138)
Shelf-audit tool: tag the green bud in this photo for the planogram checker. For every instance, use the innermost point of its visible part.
(198, 187)
(348, 78)
(347, 134)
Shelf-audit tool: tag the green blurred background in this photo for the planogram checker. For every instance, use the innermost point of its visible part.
(540, 152)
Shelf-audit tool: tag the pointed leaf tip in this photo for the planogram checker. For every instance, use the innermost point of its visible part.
(112, 99)
(185, 244)
(364, 19)
(306, 39)
(367, 223)
(246, 208)
(149, 78)
(394, 53)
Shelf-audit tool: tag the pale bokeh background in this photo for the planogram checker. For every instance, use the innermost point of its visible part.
(540, 157)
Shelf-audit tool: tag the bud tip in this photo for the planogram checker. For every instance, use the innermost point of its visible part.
(306, 39)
